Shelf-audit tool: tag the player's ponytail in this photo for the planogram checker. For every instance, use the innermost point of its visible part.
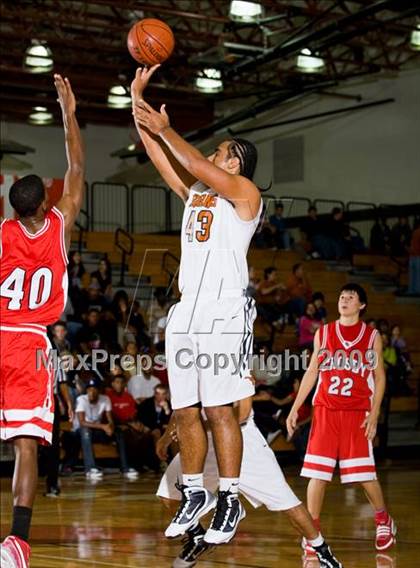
(247, 154)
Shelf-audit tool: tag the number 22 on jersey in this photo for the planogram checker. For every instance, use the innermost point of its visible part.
(39, 288)
(204, 219)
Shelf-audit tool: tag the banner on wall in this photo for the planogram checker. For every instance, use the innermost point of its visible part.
(54, 188)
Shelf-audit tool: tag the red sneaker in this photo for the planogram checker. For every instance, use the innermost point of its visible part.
(308, 550)
(385, 534)
(15, 553)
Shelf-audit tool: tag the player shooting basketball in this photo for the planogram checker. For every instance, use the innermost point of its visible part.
(222, 210)
(33, 276)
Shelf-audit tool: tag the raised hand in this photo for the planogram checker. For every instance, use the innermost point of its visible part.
(148, 117)
(141, 80)
(65, 93)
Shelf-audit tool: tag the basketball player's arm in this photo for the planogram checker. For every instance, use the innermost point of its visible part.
(166, 439)
(307, 384)
(242, 191)
(371, 421)
(177, 178)
(74, 180)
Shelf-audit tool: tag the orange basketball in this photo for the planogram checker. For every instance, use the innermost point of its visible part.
(150, 41)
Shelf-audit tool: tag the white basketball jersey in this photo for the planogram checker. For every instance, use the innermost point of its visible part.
(214, 245)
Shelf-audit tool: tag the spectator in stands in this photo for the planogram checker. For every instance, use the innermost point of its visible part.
(92, 298)
(391, 364)
(264, 236)
(103, 275)
(371, 323)
(271, 298)
(125, 330)
(137, 322)
(89, 337)
(278, 224)
(124, 412)
(76, 270)
(298, 290)
(380, 235)
(318, 301)
(59, 335)
(400, 237)
(400, 345)
(142, 385)
(158, 309)
(382, 325)
(338, 235)
(414, 261)
(159, 339)
(155, 412)
(312, 230)
(253, 283)
(94, 424)
(308, 325)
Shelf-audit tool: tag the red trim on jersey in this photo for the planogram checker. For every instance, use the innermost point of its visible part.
(40, 232)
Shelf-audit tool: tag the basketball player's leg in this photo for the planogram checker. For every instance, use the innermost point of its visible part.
(357, 465)
(226, 380)
(227, 439)
(24, 485)
(315, 493)
(27, 417)
(192, 439)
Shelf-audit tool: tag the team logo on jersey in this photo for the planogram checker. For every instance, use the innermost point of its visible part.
(204, 200)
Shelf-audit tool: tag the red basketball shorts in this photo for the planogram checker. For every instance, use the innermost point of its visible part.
(336, 435)
(26, 393)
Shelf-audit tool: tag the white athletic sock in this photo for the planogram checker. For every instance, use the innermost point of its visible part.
(318, 541)
(229, 484)
(192, 479)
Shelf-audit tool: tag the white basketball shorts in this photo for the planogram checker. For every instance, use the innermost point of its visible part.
(208, 350)
(261, 480)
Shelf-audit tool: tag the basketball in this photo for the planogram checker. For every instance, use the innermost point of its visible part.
(150, 41)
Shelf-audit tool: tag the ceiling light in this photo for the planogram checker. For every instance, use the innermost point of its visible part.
(415, 38)
(210, 81)
(308, 63)
(38, 57)
(245, 11)
(41, 116)
(118, 97)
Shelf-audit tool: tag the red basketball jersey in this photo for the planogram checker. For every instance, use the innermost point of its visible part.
(33, 272)
(346, 363)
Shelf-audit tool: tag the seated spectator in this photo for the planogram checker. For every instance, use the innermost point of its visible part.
(142, 385)
(312, 229)
(124, 412)
(298, 290)
(76, 271)
(382, 325)
(94, 423)
(371, 323)
(318, 301)
(389, 354)
(414, 261)
(400, 237)
(155, 412)
(103, 275)
(271, 298)
(58, 336)
(253, 283)
(264, 236)
(158, 309)
(89, 336)
(380, 235)
(403, 354)
(138, 324)
(307, 327)
(159, 339)
(277, 222)
(92, 298)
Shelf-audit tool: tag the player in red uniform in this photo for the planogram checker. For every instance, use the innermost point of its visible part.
(347, 360)
(33, 293)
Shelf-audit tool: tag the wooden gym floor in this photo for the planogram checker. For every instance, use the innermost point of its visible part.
(116, 523)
